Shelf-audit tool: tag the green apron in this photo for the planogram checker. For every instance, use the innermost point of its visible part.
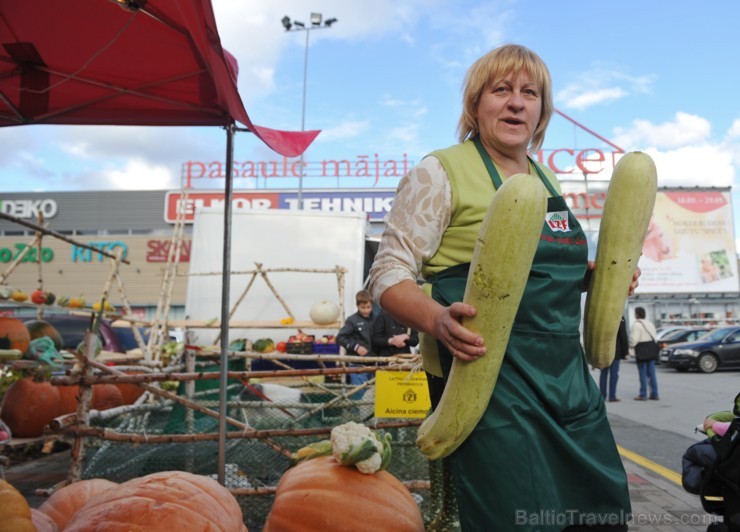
(543, 456)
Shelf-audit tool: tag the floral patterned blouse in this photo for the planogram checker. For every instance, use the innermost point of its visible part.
(414, 226)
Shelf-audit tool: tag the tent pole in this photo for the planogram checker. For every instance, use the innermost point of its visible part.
(225, 289)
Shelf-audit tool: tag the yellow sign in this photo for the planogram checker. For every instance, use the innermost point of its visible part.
(401, 394)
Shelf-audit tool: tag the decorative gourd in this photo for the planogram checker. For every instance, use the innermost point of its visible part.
(323, 495)
(15, 331)
(43, 522)
(41, 328)
(64, 502)
(498, 275)
(324, 312)
(161, 502)
(19, 296)
(15, 514)
(29, 406)
(629, 205)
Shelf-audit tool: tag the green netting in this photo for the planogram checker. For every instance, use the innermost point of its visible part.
(250, 463)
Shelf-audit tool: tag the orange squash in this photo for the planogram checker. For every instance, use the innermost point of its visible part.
(15, 514)
(323, 495)
(161, 502)
(29, 406)
(64, 502)
(105, 396)
(67, 399)
(16, 333)
(43, 522)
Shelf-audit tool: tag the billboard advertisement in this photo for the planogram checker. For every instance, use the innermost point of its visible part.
(690, 244)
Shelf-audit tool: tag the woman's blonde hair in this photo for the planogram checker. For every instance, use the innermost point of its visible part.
(494, 66)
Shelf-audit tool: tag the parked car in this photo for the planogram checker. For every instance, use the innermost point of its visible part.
(719, 348)
(662, 332)
(683, 335)
(72, 329)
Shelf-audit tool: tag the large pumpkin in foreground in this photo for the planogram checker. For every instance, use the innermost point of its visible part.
(161, 502)
(64, 502)
(323, 495)
(28, 406)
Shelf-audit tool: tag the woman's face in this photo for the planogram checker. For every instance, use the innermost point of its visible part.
(508, 113)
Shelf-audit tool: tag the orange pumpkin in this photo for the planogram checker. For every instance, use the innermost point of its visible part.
(67, 399)
(15, 514)
(105, 396)
(29, 406)
(130, 392)
(377, 502)
(16, 333)
(161, 502)
(64, 502)
(41, 328)
(43, 522)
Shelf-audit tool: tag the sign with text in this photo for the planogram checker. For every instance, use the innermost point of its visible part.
(375, 203)
(690, 244)
(401, 394)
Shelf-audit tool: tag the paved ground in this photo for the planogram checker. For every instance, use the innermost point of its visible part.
(659, 504)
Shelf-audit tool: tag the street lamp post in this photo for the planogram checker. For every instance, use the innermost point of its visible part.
(294, 25)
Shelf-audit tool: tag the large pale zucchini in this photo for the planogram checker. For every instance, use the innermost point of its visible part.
(499, 270)
(624, 222)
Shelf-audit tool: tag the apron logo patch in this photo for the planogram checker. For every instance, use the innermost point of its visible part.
(558, 221)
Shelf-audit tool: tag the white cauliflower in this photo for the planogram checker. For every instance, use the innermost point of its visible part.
(355, 444)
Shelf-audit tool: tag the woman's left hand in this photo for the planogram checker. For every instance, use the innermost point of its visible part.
(635, 282)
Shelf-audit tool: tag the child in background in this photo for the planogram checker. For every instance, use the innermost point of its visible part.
(354, 335)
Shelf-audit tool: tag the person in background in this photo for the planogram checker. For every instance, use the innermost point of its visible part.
(390, 337)
(544, 442)
(610, 376)
(642, 330)
(355, 335)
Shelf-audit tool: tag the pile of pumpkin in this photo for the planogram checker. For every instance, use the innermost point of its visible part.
(319, 494)
(29, 405)
(170, 500)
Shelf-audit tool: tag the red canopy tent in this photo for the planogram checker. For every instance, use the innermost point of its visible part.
(129, 62)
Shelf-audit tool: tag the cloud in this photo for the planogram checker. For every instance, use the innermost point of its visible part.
(343, 131)
(683, 150)
(694, 166)
(600, 85)
(684, 130)
(140, 175)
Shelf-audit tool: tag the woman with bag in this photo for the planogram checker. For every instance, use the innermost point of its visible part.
(642, 340)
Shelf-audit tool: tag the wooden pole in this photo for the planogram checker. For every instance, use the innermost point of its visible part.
(13, 265)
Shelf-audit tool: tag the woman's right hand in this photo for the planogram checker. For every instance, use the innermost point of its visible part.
(461, 342)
